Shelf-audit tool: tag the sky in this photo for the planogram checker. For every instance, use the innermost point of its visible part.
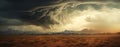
(59, 15)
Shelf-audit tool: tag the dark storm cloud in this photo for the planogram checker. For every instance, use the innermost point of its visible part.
(29, 4)
(21, 12)
(14, 9)
(5, 5)
(14, 13)
(23, 5)
(11, 18)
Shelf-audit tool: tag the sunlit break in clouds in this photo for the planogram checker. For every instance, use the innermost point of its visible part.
(74, 15)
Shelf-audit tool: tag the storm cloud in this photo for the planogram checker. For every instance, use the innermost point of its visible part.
(57, 15)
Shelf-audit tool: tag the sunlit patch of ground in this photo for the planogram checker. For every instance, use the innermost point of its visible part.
(61, 41)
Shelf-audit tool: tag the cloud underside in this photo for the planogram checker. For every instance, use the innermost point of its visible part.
(57, 16)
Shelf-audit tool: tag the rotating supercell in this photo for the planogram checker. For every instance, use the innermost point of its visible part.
(69, 15)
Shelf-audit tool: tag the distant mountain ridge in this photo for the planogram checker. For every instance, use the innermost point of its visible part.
(66, 32)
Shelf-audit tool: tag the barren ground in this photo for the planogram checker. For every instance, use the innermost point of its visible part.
(60, 41)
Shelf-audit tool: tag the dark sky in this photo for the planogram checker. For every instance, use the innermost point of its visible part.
(15, 13)
(15, 8)
(19, 5)
(18, 12)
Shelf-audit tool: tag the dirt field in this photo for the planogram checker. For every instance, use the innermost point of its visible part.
(61, 41)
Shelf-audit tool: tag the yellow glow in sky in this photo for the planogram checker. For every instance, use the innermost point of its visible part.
(69, 17)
